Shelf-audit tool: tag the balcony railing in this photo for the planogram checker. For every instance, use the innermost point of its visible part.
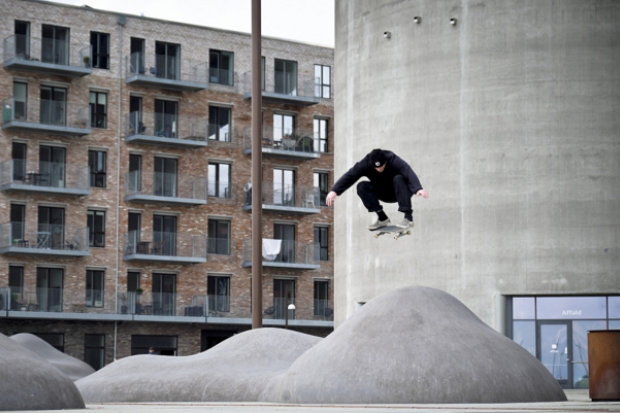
(285, 88)
(165, 129)
(164, 247)
(53, 56)
(290, 254)
(323, 310)
(284, 143)
(44, 177)
(165, 188)
(165, 72)
(222, 135)
(46, 116)
(292, 199)
(43, 239)
(223, 80)
(222, 193)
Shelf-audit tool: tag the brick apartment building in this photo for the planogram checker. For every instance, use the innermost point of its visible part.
(126, 183)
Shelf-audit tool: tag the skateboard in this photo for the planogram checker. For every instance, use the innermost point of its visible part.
(393, 229)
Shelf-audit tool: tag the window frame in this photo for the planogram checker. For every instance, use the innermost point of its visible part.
(98, 111)
(95, 286)
(322, 179)
(213, 228)
(215, 182)
(94, 351)
(322, 244)
(215, 66)
(215, 124)
(19, 289)
(93, 231)
(20, 113)
(321, 135)
(221, 302)
(319, 90)
(318, 293)
(97, 166)
(97, 54)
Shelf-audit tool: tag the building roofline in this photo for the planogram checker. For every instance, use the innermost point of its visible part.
(133, 16)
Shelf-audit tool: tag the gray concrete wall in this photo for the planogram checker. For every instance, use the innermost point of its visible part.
(511, 119)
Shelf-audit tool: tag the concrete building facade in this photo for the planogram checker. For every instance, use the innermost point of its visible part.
(509, 114)
(126, 183)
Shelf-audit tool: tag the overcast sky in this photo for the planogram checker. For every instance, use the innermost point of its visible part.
(310, 21)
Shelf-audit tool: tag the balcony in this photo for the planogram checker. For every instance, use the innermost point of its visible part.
(47, 239)
(221, 250)
(322, 310)
(49, 56)
(164, 247)
(165, 188)
(284, 144)
(290, 255)
(165, 129)
(223, 80)
(291, 199)
(285, 88)
(48, 178)
(46, 116)
(165, 72)
(222, 193)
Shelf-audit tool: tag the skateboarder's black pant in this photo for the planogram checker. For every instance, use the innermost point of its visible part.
(398, 192)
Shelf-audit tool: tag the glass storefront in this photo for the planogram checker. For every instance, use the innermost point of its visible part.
(555, 330)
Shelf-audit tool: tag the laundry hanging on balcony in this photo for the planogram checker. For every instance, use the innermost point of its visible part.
(271, 248)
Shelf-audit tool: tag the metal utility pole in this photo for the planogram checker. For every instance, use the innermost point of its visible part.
(257, 160)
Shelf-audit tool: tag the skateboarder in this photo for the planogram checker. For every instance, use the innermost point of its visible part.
(390, 180)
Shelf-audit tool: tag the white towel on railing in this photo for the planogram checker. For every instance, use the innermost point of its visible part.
(271, 248)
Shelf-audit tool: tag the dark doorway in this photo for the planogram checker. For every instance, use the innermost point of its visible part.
(211, 338)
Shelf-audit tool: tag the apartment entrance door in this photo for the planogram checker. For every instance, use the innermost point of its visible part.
(555, 349)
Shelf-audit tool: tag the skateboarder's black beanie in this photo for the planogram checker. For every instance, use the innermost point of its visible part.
(377, 158)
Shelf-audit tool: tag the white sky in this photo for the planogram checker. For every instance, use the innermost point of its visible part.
(309, 21)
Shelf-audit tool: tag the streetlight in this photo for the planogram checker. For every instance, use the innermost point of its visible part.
(290, 307)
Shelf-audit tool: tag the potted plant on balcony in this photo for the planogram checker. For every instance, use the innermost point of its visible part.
(86, 60)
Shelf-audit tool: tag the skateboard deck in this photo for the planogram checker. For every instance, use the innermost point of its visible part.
(393, 229)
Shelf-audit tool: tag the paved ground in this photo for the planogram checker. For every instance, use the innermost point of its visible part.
(578, 401)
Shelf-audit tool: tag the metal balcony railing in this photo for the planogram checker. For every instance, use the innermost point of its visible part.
(222, 192)
(164, 246)
(166, 72)
(291, 254)
(49, 177)
(221, 76)
(48, 239)
(165, 187)
(285, 87)
(284, 142)
(46, 55)
(323, 309)
(285, 198)
(167, 129)
(47, 116)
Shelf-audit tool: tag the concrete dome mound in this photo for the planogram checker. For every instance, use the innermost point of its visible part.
(31, 383)
(236, 370)
(415, 345)
(75, 369)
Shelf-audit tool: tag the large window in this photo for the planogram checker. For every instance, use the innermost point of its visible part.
(98, 109)
(218, 291)
(286, 233)
(136, 126)
(221, 69)
(97, 167)
(95, 280)
(22, 40)
(135, 172)
(321, 187)
(94, 350)
(96, 228)
(18, 155)
(51, 229)
(18, 225)
(219, 180)
(49, 288)
(285, 77)
(164, 294)
(320, 136)
(283, 296)
(52, 165)
(55, 45)
(283, 125)
(100, 44)
(283, 187)
(321, 241)
(219, 237)
(20, 100)
(136, 49)
(53, 110)
(16, 282)
(322, 81)
(167, 61)
(164, 235)
(219, 124)
(165, 177)
(321, 297)
(166, 118)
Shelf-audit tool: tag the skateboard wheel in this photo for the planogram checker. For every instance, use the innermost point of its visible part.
(396, 237)
(376, 235)
(408, 232)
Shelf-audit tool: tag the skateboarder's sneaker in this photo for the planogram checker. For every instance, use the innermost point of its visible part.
(378, 224)
(405, 223)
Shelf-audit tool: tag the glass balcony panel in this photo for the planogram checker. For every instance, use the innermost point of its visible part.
(50, 177)
(47, 239)
(164, 246)
(166, 71)
(165, 187)
(295, 143)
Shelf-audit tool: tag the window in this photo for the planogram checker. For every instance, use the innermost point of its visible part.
(286, 77)
(320, 135)
(321, 187)
(166, 118)
(22, 40)
(16, 282)
(221, 68)
(97, 167)
(163, 345)
(94, 350)
(219, 237)
(53, 106)
(218, 291)
(219, 124)
(20, 100)
(164, 294)
(286, 233)
(321, 297)
(98, 109)
(55, 45)
(51, 229)
(94, 288)
(321, 241)
(164, 235)
(136, 49)
(100, 43)
(133, 234)
(96, 228)
(135, 173)
(165, 177)
(18, 223)
(19, 161)
(51, 167)
(136, 126)
(219, 180)
(283, 296)
(133, 284)
(283, 187)
(283, 125)
(322, 82)
(49, 288)
(167, 61)
(56, 340)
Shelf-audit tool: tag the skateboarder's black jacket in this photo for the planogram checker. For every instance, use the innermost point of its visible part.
(395, 166)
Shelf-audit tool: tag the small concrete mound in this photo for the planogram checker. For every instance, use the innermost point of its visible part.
(75, 369)
(236, 370)
(31, 383)
(415, 345)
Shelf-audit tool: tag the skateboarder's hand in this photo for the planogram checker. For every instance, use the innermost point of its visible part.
(423, 193)
(330, 198)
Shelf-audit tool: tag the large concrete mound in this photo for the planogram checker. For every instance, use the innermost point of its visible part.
(31, 383)
(235, 370)
(415, 345)
(75, 369)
